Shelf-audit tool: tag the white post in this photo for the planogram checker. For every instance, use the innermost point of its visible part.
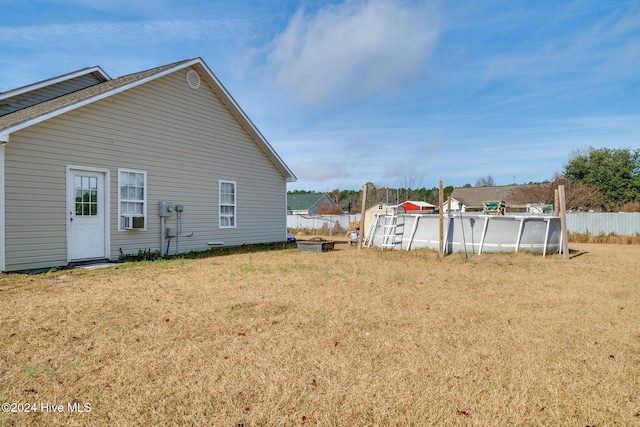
(413, 231)
(484, 232)
(441, 208)
(563, 222)
(363, 212)
(519, 234)
(546, 238)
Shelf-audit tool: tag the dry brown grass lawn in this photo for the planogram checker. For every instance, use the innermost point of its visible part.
(331, 339)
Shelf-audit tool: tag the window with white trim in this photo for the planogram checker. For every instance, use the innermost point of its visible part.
(132, 199)
(227, 204)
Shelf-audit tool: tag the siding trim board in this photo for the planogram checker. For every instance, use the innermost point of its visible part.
(2, 208)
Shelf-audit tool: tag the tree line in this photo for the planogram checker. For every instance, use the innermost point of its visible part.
(350, 201)
(600, 179)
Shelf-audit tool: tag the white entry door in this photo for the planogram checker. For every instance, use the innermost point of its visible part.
(87, 215)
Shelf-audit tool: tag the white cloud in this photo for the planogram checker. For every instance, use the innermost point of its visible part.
(430, 147)
(138, 6)
(117, 33)
(600, 49)
(400, 170)
(320, 170)
(352, 49)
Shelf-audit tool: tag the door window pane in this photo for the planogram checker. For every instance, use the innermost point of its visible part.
(86, 195)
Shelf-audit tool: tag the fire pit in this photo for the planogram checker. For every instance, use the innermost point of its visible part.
(315, 245)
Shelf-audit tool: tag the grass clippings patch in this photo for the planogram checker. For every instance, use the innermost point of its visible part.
(338, 338)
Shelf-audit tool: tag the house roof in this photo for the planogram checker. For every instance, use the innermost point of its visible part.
(46, 110)
(96, 71)
(474, 196)
(304, 201)
(420, 204)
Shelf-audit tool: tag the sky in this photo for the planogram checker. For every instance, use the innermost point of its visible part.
(400, 93)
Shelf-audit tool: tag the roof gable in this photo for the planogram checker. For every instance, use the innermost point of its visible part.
(40, 112)
(54, 107)
(474, 196)
(303, 201)
(411, 204)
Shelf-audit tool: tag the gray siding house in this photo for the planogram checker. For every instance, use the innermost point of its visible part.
(165, 159)
(311, 204)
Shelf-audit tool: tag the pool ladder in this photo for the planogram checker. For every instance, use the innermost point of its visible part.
(390, 227)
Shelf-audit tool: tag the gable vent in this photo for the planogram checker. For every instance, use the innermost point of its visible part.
(193, 79)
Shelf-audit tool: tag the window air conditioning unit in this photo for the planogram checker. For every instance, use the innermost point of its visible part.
(132, 222)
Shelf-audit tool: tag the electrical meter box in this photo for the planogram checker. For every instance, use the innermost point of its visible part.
(166, 208)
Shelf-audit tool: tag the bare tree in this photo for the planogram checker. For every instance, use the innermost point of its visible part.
(375, 195)
(535, 193)
(409, 180)
(335, 195)
(485, 181)
(579, 196)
